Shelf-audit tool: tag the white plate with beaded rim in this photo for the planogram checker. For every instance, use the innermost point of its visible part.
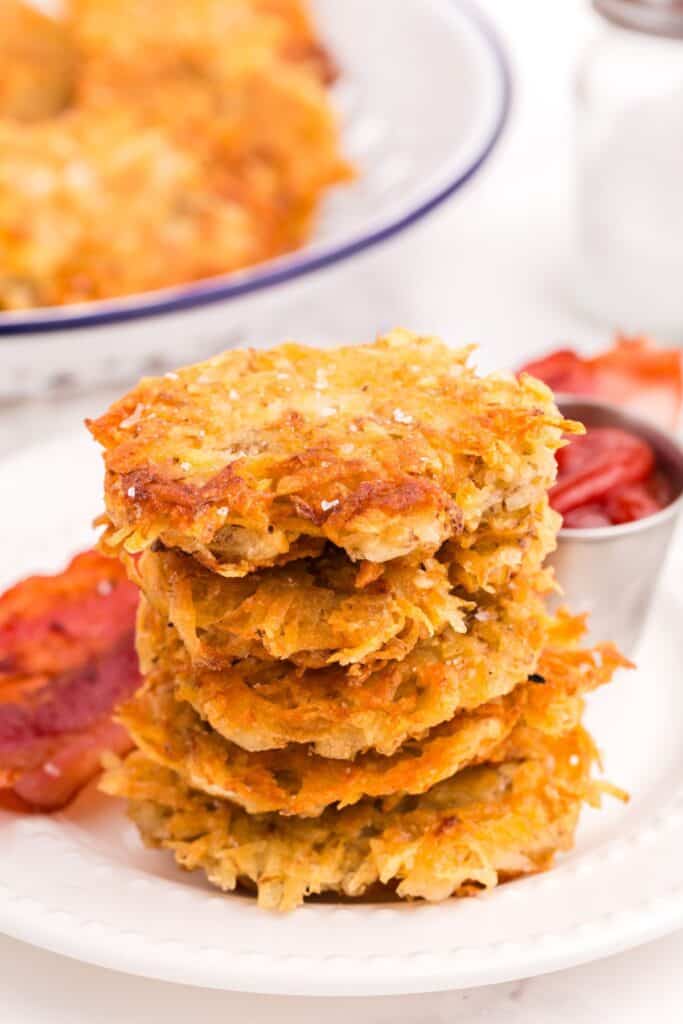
(81, 884)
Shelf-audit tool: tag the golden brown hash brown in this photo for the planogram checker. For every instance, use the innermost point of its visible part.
(484, 826)
(312, 612)
(262, 705)
(38, 63)
(383, 449)
(326, 609)
(297, 781)
(205, 135)
(502, 552)
(206, 37)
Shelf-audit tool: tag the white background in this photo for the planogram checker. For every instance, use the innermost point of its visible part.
(493, 267)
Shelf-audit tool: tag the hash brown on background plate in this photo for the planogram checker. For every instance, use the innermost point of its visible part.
(205, 132)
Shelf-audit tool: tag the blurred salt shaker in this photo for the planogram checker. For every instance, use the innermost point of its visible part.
(630, 168)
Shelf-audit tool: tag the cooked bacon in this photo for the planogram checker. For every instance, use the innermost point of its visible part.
(67, 657)
(57, 780)
(634, 373)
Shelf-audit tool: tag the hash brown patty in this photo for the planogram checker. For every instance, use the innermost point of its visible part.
(383, 449)
(295, 781)
(484, 826)
(312, 612)
(206, 134)
(327, 609)
(262, 705)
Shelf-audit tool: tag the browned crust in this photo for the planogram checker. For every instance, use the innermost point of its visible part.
(184, 461)
(295, 781)
(484, 826)
(262, 705)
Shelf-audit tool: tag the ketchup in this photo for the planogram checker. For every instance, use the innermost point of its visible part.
(607, 477)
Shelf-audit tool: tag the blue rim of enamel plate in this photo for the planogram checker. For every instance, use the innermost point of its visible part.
(284, 269)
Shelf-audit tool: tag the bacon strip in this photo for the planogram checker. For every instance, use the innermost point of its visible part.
(634, 373)
(67, 657)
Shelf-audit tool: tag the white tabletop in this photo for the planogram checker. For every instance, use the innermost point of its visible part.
(643, 985)
(493, 267)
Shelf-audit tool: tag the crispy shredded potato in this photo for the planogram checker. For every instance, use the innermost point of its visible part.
(352, 679)
(510, 548)
(484, 826)
(262, 705)
(382, 449)
(162, 147)
(296, 781)
(312, 612)
(328, 609)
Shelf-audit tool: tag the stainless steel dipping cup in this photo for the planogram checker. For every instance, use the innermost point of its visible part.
(611, 572)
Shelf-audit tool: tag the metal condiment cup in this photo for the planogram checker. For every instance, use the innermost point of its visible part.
(611, 572)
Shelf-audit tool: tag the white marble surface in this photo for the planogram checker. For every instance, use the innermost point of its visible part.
(643, 985)
(494, 267)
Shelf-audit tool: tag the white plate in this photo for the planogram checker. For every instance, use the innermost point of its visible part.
(81, 884)
(422, 97)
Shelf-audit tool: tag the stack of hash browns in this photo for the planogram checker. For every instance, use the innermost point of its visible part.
(351, 680)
